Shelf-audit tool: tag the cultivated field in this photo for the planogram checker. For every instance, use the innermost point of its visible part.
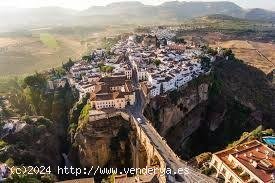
(49, 40)
(22, 55)
(256, 54)
(44, 49)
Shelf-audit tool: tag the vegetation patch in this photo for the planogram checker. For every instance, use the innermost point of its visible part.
(257, 134)
(48, 40)
(2, 144)
(75, 114)
(84, 116)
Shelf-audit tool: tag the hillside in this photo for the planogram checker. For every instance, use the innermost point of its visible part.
(260, 14)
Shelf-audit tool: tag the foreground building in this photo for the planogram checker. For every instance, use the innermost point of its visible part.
(249, 162)
(113, 92)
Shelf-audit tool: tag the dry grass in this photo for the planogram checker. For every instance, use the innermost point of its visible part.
(20, 55)
(256, 54)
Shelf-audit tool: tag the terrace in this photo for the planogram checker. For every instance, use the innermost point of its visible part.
(249, 162)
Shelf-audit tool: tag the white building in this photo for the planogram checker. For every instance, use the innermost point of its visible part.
(251, 162)
(142, 74)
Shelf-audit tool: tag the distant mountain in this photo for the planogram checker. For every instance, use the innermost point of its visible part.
(194, 9)
(260, 14)
(220, 17)
(175, 9)
(125, 12)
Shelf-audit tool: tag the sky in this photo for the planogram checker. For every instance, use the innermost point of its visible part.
(84, 4)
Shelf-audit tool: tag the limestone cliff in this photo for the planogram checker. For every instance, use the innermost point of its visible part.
(36, 144)
(105, 143)
(213, 111)
(240, 99)
(167, 111)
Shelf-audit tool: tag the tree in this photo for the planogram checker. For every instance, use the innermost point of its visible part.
(228, 53)
(87, 58)
(205, 63)
(67, 66)
(106, 68)
(35, 81)
(209, 50)
(157, 62)
(179, 40)
(10, 162)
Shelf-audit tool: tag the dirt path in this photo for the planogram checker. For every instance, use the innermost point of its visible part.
(261, 54)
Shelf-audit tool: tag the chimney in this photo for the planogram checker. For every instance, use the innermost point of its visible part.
(254, 164)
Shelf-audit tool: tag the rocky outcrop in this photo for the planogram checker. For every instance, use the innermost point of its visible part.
(237, 82)
(215, 111)
(37, 144)
(167, 111)
(105, 143)
(240, 99)
(177, 134)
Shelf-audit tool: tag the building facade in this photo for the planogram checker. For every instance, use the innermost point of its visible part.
(251, 162)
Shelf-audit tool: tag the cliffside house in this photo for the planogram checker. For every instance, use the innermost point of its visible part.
(251, 162)
(114, 92)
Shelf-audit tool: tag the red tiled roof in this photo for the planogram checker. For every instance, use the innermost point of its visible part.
(247, 153)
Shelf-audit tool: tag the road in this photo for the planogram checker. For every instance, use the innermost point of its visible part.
(172, 160)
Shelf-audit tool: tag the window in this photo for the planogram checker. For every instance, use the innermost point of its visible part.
(223, 171)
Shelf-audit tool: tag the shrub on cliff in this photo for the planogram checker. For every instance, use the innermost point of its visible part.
(2, 144)
(205, 63)
(257, 134)
(174, 96)
(75, 113)
(84, 116)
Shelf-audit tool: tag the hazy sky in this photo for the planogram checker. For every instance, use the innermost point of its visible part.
(83, 4)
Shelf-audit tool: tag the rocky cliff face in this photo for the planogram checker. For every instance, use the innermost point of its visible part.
(167, 111)
(215, 110)
(37, 144)
(105, 143)
(240, 99)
